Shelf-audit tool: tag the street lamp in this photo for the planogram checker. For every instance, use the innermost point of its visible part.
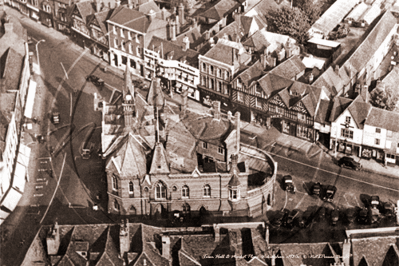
(37, 52)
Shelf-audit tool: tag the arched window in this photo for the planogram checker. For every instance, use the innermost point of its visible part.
(160, 191)
(114, 183)
(48, 9)
(131, 188)
(203, 67)
(185, 192)
(207, 191)
(186, 209)
(132, 210)
(116, 205)
(211, 84)
(268, 200)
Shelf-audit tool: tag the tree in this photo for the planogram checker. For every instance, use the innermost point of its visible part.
(292, 22)
(188, 4)
(311, 8)
(384, 98)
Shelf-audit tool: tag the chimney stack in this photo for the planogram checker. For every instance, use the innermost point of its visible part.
(8, 27)
(311, 78)
(207, 35)
(336, 69)
(172, 28)
(238, 129)
(186, 43)
(117, 3)
(273, 258)
(177, 25)
(163, 13)
(151, 15)
(124, 241)
(183, 107)
(216, 230)
(233, 163)
(212, 41)
(130, 4)
(229, 116)
(216, 110)
(53, 240)
(166, 247)
(181, 13)
(267, 235)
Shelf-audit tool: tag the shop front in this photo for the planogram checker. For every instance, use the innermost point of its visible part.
(370, 152)
(46, 19)
(206, 98)
(24, 9)
(346, 147)
(260, 118)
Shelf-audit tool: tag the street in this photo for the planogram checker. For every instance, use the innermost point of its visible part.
(65, 187)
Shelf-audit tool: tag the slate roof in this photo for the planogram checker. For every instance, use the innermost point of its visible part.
(160, 164)
(155, 95)
(262, 39)
(334, 15)
(128, 157)
(391, 80)
(290, 68)
(363, 52)
(101, 18)
(147, 7)
(271, 83)
(251, 74)
(190, 55)
(383, 119)
(194, 36)
(330, 80)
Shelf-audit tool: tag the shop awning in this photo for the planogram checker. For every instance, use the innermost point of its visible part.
(30, 100)
(11, 199)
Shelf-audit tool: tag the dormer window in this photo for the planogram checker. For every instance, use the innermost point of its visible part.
(258, 90)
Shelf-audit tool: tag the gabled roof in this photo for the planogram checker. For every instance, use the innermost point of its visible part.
(271, 83)
(147, 7)
(260, 11)
(383, 119)
(10, 70)
(100, 18)
(220, 9)
(155, 95)
(194, 36)
(311, 99)
(234, 181)
(324, 112)
(331, 80)
(228, 52)
(339, 106)
(262, 39)
(251, 74)
(375, 250)
(391, 80)
(85, 9)
(290, 68)
(159, 163)
(129, 158)
(363, 52)
(359, 111)
(334, 15)
(165, 47)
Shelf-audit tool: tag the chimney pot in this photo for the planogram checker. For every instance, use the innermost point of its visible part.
(216, 110)
(166, 247)
(311, 78)
(181, 13)
(336, 69)
(186, 43)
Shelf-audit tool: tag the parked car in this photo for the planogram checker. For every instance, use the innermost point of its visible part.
(288, 184)
(316, 189)
(285, 213)
(56, 118)
(289, 222)
(334, 216)
(330, 193)
(301, 221)
(374, 201)
(388, 209)
(95, 80)
(278, 220)
(349, 162)
(351, 215)
(363, 216)
(322, 212)
(374, 215)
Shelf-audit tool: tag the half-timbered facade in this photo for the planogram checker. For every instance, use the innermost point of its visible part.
(96, 24)
(79, 29)
(46, 13)
(33, 6)
(60, 15)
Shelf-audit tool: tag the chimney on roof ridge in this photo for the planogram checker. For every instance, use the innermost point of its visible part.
(53, 240)
(117, 3)
(130, 4)
(311, 78)
(267, 235)
(233, 164)
(163, 13)
(124, 241)
(184, 105)
(216, 231)
(336, 69)
(151, 15)
(172, 28)
(212, 42)
(177, 25)
(181, 13)
(8, 27)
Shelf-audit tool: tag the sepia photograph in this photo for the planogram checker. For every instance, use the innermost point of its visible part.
(199, 132)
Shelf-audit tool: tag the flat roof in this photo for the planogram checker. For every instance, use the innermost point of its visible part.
(324, 42)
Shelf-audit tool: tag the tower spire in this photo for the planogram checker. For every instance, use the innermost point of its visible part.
(128, 88)
(129, 110)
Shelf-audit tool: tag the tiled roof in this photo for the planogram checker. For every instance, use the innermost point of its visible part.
(376, 250)
(180, 147)
(383, 119)
(234, 181)
(272, 83)
(324, 112)
(160, 164)
(263, 39)
(311, 99)
(391, 80)
(339, 106)
(251, 74)
(129, 158)
(207, 128)
(331, 80)
(260, 11)
(220, 9)
(11, 67)
(334, 15)
(190, 55)
(194, 36)
(290, 68)
(359, 111)
(85, 9)
(225, 53)
(135, 20)
(101, 18)
(366, 49)
(147, 7)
